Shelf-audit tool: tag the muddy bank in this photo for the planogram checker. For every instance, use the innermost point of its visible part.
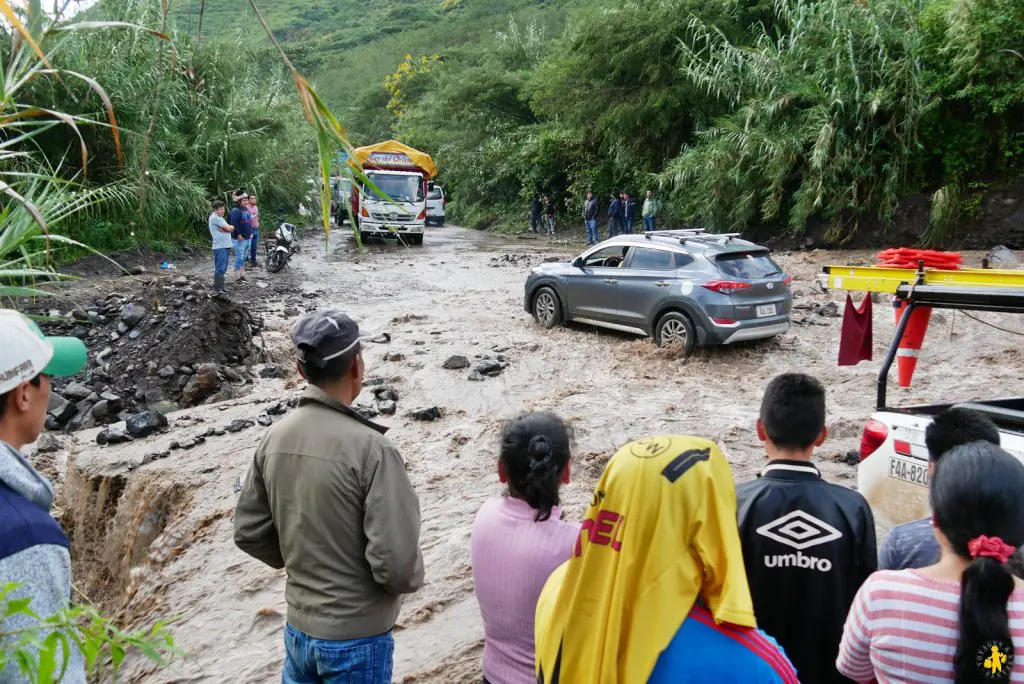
(158, 529)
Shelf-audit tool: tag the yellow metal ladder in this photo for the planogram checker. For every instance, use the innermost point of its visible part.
(878, 279)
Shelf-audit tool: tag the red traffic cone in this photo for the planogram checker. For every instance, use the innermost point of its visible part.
(913, 338)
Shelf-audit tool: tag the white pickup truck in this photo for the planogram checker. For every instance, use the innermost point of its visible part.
(893, 470)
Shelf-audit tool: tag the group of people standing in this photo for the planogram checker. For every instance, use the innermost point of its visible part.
(239, 232)
(673, 575)
(621, 214)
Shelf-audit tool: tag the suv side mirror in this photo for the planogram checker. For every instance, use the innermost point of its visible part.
(430, 185)
(578, 262)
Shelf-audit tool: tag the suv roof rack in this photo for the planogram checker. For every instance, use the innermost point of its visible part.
(685, 234)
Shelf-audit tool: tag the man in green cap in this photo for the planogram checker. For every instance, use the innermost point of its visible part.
(34, 551)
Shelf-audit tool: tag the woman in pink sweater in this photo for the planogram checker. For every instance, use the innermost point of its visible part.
(518, 540)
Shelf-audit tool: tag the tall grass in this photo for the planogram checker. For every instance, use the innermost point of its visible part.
(824, 117)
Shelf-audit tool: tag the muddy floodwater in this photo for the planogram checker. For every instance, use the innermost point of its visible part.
(163, 529)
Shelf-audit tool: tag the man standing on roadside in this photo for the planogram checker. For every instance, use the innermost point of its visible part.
(536, 210)
(34, 552)
(808, 545)
(327, 498)
(614, 215)
(590, 218)
(913, 545)
(549, 212)
(650, 211)
(220, 232)
(254, 242)
(628, 212)
(241, 221)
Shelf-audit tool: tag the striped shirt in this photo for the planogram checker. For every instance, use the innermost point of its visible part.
(904, 627)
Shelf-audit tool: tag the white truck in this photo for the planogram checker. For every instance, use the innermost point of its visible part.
(394, 201)
(893, 470)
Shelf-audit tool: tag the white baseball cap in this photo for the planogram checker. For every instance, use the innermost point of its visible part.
(25, 352)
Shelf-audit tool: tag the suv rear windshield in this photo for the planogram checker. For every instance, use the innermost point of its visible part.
(435, 193)
(748, 265)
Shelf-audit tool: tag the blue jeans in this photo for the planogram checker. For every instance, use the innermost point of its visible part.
(650, 223)
(627, 226)
(255, 241)
(591, 231)
(241, 253)
(220, 260)
(319, 661)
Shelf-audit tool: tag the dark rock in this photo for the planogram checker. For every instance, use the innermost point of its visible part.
(277, 409)
(394, 356)
(291, 311)
(48, 443)
(186, 443)
(79, 314)
(123, 416)
(133, 314)
(427, 415)
(76, 391)
(145, 423)
(367, 412)
(552, 260)
(272, 371)
(373, 382)
(388, 408)
(186, 370)
(134, 334)
(166, 372)
(62, 411)
(81, 332)
(113, 399)
(180, 281)
(476, 377)
(829, 310)
(122, 328)
(231, 374)
(239, 425)
(203, 384)
(112, 435)
(154, 395)
(51, 424)
(456, 363)
(809, 243)
(386, 393)
(101, 409)
(851, 458)
(265, 421)
(489, 367)
(137, 270)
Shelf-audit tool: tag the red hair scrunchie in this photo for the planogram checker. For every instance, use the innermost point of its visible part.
(990, 547)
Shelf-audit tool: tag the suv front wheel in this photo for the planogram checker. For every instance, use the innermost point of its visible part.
(547, 310)
(676, 328)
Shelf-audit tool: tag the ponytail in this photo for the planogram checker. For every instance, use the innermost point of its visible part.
(985, 588)
(535, 452)
(540, 489)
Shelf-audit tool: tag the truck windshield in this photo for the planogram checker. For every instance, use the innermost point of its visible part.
(398, 188)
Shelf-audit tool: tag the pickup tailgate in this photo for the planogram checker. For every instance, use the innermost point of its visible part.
(893, 471)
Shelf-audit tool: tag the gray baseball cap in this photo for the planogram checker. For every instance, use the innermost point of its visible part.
(323, 336)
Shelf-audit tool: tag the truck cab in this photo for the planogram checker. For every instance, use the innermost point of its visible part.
(396, 208)
(392, 202)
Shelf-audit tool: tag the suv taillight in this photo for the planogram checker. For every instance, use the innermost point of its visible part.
(787, 280)
(726, 286)
(875, 434)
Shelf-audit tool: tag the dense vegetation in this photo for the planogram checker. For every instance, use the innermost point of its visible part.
(742, 112)
(192, 122)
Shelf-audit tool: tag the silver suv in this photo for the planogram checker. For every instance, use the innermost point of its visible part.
(683, 287)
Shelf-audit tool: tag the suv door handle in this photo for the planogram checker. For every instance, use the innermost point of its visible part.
(663, 283)
(610, 281)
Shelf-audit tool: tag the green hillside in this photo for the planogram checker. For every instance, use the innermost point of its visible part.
(349, 46)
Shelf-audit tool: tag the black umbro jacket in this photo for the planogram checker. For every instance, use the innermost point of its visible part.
(808, 546)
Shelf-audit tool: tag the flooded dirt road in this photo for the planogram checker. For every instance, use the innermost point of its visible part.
(461, 294)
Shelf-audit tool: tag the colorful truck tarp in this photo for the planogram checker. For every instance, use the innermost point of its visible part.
(393, 155)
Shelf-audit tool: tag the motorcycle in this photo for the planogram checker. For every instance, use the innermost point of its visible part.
(281, 247)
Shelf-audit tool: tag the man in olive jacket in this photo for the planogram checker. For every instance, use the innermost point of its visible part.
(327, 498)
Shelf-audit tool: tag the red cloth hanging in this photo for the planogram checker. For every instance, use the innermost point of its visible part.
(855, 337)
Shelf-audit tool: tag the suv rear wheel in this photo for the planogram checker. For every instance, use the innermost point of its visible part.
(547, 310)
(676, 328)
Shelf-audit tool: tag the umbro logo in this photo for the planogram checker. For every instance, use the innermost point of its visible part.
(800, 531)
